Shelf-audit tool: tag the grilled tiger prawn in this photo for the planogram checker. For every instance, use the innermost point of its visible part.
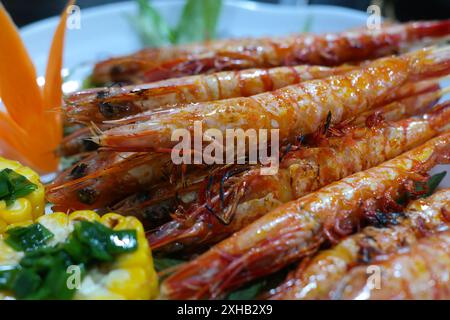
(147, 204)
(328, 49)
(294, 110)
(422, 273)
(101, 178)
(297, 228)
(79, 141)
(316, 279)
(115, 103)
(252, 195)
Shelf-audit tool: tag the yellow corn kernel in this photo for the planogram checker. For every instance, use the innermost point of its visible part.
(131, 283)
(20, 210)
(3, 227)
(37, 200)
(10, 164)
(34, 200)
(84, 215)
(57, 223)
(113, 220)
(9, 256)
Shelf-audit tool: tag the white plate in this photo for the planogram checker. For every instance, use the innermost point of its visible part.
(105, 31)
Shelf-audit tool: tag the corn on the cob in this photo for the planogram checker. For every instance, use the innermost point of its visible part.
(130, 276)
(26, 208)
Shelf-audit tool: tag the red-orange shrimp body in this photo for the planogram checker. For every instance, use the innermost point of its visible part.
(104, 177)
(297, 228)
(115, 103)
(301, 172)
(422, 272)
(317, 278)
(294, 110)
(328, 49)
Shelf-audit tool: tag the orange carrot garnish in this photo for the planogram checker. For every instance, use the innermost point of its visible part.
(53, 80)
(19, 90)
(31, 129)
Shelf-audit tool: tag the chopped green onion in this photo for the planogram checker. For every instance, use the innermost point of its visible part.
(103, 242)
(14, 185)
(28, 238)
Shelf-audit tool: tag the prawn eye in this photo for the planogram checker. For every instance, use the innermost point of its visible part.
(109, 110)
(89, 145)
(87, 195)
(79, 171)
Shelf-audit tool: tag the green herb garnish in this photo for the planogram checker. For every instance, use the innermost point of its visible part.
(14, 185)
(87, 83)
(28, 238)
(249, 292)
(42, 272)
(162, 264)
(198, 22)
(308, 24)
(430, 186)
(257, 288)
(102, 242)
(152, 28)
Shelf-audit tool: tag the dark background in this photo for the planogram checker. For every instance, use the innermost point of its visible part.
(26, 11)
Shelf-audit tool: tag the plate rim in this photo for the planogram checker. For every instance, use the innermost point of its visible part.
(124, 6)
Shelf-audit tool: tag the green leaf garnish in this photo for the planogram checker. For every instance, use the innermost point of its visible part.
(308, 24)
(165, 263)
(14, 185)
(28, 238)
(249, 292)
(198, 22)
(152, 28)
(431, 186)
(87, 83)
